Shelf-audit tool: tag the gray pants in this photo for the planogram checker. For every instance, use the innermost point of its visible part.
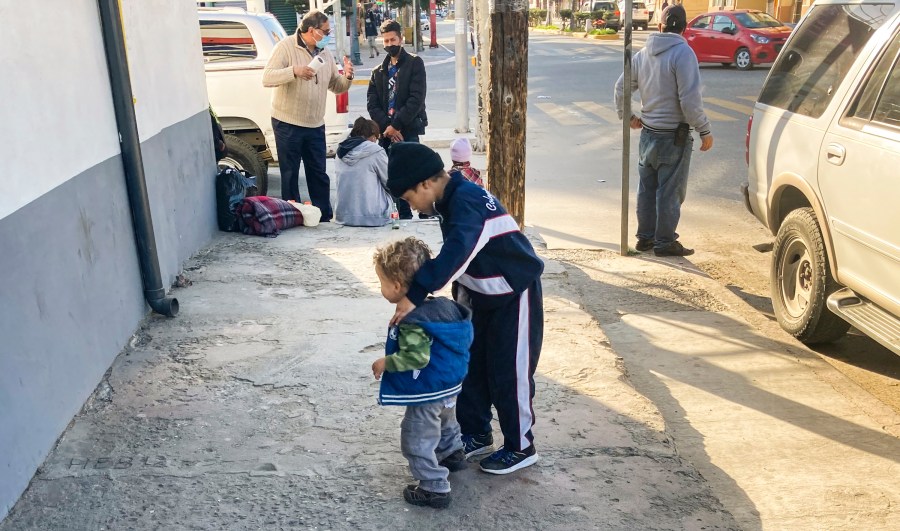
(428, 434)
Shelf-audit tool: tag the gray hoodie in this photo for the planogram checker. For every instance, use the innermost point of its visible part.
(362, 200)
(666, 73)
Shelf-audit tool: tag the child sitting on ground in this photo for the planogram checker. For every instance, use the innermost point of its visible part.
(461, 155)
(426, 362)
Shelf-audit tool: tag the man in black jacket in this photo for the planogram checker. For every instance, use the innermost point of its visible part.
(396, 96)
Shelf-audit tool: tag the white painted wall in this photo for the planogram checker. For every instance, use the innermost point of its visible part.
(165, 62)
(57, 113)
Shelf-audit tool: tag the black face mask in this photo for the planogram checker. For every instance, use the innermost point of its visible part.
(393, 50)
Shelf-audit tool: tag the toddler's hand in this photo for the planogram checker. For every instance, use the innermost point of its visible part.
(378, 368)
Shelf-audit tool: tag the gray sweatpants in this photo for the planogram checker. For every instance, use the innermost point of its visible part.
(428, 434)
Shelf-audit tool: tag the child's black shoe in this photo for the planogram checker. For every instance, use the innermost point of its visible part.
(416, 495)
(455, 461)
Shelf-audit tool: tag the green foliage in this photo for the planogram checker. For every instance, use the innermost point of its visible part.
(565, 14)
(536, 16)
(603, 31)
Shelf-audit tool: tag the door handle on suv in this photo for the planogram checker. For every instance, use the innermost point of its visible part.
(835, 154)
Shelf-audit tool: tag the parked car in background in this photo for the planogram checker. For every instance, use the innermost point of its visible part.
(640, 16)
(425, 21)
(614, 14)
(236, 47)
(744, 37)
(823, 148)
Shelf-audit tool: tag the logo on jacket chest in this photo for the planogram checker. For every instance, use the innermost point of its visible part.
(491, 202)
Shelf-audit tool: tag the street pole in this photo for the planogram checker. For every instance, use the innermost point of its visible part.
(354, 35)
(626, 131)
(341, 28)
(462, 68)
(508, 104)
(417, 26)
(432, 7)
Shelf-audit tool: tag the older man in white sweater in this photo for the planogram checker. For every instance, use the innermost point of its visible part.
(298, 107)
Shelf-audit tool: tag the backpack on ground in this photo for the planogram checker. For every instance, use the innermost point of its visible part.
(232, 186)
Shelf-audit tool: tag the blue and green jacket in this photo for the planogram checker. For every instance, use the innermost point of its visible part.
(427, 354)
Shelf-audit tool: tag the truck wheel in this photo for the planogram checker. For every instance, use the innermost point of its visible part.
(742, 59)
(802, 281)
(242, 156)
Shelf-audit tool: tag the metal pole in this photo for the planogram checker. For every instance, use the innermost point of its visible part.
(416, 26)
(626, 132)
(354, 35)
(341, 29)
(462, 67)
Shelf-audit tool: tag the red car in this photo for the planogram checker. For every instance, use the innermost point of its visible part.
(745, 37)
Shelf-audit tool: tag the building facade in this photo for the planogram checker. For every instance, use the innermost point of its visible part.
(73, 293)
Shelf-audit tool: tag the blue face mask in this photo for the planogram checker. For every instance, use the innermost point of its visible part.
(324, 42)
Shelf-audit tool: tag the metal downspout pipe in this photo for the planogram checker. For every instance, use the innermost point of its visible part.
(129, 142)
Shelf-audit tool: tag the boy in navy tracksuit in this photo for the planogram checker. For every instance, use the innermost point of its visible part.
(427, 355)
(495, 272)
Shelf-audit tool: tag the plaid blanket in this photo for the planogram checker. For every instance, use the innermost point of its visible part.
(266, 216)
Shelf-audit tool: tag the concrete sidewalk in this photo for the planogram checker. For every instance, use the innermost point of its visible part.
(256, 408)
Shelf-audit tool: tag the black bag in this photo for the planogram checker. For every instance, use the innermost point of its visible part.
(231, 187)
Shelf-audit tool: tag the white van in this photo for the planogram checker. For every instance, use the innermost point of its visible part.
(823, 148)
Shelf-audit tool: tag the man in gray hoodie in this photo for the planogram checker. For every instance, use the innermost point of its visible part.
(666, 73)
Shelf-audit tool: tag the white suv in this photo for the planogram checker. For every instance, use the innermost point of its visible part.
(236, 47)
(823, 147)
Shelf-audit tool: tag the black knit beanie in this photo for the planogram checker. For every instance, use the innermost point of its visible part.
(410, 163)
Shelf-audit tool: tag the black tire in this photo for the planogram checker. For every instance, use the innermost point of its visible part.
(243, 156)
(801, 281)
(743, 59)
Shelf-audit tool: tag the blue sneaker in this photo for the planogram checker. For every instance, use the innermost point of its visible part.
(504, 461)
(478, 444)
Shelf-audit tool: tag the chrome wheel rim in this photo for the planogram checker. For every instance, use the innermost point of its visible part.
(743, 59)
(795, 278)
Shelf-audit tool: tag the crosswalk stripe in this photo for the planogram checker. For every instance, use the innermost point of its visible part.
(596, 109)
(751, 99)
(717, 116)
(743, 109)
(561, 114)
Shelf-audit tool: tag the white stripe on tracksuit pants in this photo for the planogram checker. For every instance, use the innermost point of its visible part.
(504, 355)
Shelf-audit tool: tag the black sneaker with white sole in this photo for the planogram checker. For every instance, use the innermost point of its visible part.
(478, 444)
(504, 461)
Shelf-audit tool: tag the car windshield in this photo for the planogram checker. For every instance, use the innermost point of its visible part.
(639, 5)
(757, 20)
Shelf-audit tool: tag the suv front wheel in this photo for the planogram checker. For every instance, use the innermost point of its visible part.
(802, 281)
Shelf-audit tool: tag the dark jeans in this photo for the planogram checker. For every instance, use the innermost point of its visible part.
(403, 207)
(297, 144)
(663, 168)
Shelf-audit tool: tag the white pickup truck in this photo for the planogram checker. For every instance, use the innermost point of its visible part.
(236, 47)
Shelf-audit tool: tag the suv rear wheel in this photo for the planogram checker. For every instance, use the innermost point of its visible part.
(802, 281)
(242, 156)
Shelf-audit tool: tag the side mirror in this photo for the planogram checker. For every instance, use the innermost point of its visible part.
(729, 30)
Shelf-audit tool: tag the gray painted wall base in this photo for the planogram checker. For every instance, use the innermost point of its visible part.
(72, 293)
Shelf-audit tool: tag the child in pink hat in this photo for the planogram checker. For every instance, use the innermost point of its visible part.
(461, 154)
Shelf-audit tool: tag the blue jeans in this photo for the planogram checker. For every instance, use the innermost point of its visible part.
(306, 144)
(663, 168)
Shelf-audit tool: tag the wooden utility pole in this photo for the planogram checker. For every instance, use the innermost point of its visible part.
(482, 28)
(507, 103)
